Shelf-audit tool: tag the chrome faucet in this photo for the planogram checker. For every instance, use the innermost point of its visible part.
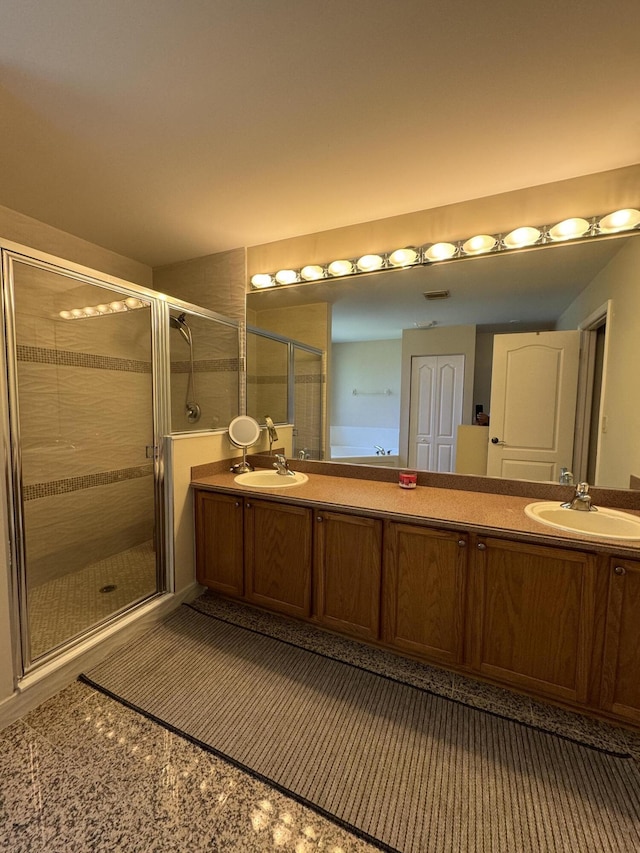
(581, 499)
(282, 466)
(566, 477)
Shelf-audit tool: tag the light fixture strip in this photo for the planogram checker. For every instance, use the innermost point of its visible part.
(119, 306)
(523, 237)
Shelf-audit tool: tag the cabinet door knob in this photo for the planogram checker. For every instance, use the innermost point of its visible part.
(248, 505)
(237, 503)
(319, 518)
(620, 570)
(462, 543)
(482, 546)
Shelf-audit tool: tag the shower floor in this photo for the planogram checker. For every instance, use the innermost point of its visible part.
(66, 606)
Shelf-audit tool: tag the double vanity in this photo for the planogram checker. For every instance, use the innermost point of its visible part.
(488, 585)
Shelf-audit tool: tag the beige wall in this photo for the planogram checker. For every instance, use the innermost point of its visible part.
(18, 228)
(619, 281)
(370, 367)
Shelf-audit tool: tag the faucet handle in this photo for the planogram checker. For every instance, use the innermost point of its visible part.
(582, 488)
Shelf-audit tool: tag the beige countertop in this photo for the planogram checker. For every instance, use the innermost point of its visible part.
(479, 512)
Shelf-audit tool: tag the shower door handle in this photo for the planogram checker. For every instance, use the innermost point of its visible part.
(151, 451)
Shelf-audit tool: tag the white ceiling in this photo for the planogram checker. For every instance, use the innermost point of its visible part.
(170, 129)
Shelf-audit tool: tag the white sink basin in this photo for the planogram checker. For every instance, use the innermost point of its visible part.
(607, 523)
(270, 479)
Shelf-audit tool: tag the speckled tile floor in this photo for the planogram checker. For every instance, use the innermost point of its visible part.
(84, 773)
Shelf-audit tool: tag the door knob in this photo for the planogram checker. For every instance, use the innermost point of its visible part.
(496, 440)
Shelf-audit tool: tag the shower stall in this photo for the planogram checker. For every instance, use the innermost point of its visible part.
(94, 380)
(287, 379)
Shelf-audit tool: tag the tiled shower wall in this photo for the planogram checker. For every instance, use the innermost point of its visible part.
(86, 418)
(216, 374)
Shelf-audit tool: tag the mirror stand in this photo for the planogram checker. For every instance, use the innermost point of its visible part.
(244, 466)
(243, 432)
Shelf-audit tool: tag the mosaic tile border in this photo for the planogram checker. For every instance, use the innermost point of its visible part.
(87, 481)
(208, 365)
(68, 358)
(282, 379)
(310, 379)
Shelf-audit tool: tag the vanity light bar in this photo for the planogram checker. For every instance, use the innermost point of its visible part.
(526, 236)
(117, 307)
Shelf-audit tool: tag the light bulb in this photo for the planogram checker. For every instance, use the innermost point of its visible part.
(103, 309)
(262, 280)
(117, 306)
(569, 229)
(479, 244)
(312, 272)
(66, 315)
(619, 220)
(525, 236)
(131, 302)
(286, 276)
(77, 312)
(440, 252)
(340, 267)
(90, 311)
(403, 257)
(369, 263)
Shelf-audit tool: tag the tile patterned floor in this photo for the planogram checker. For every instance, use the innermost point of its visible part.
(66, 606)
(84, 773)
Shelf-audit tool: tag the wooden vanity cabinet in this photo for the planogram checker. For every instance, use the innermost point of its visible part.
(219, 542)
(620, 692)
(347, 570)
(533, 609)
(425, 572)
(277, 556)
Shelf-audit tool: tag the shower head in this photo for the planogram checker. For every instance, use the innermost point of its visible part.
(180, 324)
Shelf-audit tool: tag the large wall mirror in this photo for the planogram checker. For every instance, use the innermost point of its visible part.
(414, 351)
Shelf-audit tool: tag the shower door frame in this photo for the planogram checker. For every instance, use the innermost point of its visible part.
(11, 253)
(292, 345)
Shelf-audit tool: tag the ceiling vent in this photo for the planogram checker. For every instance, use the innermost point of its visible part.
(436, 294)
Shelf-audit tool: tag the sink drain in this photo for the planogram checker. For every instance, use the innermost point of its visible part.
(110, 587)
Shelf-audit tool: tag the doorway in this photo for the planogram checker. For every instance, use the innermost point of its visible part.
(435, 412)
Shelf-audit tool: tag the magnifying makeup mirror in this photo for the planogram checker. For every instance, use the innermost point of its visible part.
(243, 432)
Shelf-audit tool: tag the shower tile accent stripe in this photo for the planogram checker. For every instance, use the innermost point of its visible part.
(88, 481)
(209, 365)
(304, 379)
(68, 358)
(309, 379)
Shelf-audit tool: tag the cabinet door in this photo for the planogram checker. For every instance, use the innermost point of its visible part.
(621, 663)
(534, 609)
(347, 570)
(219, 547)
(424, 591)
(278, 556)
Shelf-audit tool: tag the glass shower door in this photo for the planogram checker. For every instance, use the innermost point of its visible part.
(82, 431)
(308, 406)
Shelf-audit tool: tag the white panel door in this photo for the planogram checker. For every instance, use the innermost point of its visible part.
(533, 404)
(437, 384)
